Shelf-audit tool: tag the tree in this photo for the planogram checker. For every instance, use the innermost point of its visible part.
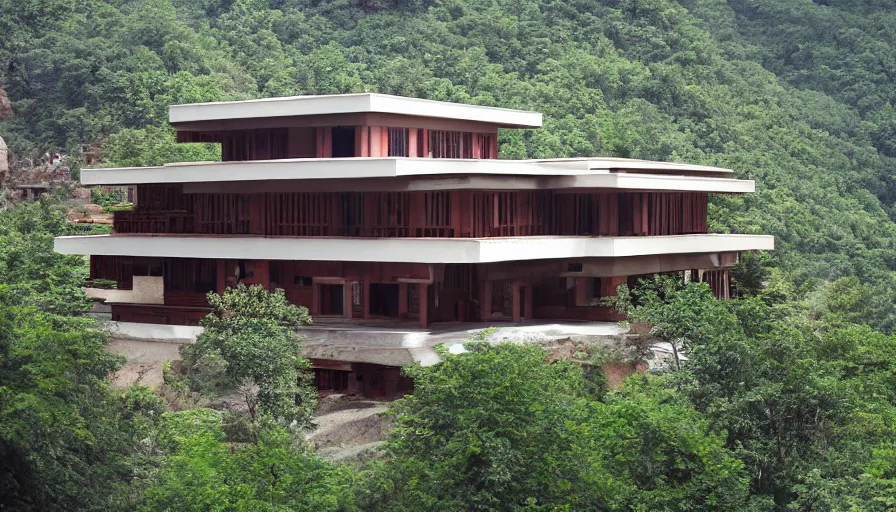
(502, 429)
(202, 472)
(67, 441)
(250, 343)
(807, 406)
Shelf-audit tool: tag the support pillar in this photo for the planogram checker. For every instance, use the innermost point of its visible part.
(347, 300)
(486, 300)
(609, 285)
(529, 303)
(261, 273)
(412, 142)
(365, 300)
(517, 304)
(362, 141)
(402, 300)
(319, 142)
(220, 276)
(328, 142)
(424, 305)
(581, 292)
(315, 298)
(376, 141)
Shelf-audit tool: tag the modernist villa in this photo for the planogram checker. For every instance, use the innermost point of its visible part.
(389, 214)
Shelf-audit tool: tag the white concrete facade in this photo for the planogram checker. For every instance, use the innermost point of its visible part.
(351, 104)
(391, 346)
(154, 332)
(408, 250)
(430, 174)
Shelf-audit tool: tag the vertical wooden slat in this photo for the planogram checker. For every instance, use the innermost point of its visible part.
(412, 143)
(328, 142)
(319, 142)
(376, 141)
(365, 141)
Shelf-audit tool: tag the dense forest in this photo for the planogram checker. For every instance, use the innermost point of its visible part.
(787, 402)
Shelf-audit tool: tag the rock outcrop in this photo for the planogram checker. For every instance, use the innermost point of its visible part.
(5, 106)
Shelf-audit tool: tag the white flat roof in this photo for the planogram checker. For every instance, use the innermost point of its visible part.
(410, 250)
(551, 174)
(351, 104)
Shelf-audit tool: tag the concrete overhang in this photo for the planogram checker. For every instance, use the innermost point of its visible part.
(294, 106)
(552, 174)
(408, 250)
(358, 343)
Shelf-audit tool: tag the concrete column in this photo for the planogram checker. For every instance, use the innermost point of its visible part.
(347, 300)
(424, 305)
(391, 381)
(402, 300)
(581, 291)
(529, 305)
(412, 142)
(315, 298)
(220, 276)
(376, 141)
(486, 300)
(319, 142)
(418, 211)
(328, 142)
(362, 141)
(261, 273)
(352, 382)
(609, 285)
(515, 312)
(257, 213)
(365, 299)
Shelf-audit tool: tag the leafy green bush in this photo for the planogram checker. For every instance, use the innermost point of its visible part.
(250, 344)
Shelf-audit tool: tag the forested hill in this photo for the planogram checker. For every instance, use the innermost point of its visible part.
(795, 94)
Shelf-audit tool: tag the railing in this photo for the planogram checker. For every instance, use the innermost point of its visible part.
(433, 214)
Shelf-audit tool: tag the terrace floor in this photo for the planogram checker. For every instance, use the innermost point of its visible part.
(397, 343)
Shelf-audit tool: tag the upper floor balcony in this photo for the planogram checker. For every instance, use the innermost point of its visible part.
(347, 125)
(166, 209)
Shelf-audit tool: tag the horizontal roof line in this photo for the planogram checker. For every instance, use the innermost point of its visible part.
(583, 173)
(351, 103)
(408, 250)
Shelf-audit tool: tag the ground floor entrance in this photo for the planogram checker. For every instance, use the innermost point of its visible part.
(422, 294)
(375, 381)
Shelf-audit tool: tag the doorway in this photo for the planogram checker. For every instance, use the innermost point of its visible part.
(384, 299)
(331, 300)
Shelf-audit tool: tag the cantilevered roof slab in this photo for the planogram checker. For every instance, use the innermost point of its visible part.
(408, 250)
(430, 174)
(295, 106)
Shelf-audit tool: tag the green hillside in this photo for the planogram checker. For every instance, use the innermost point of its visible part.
(787, 401)
(796, 95)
